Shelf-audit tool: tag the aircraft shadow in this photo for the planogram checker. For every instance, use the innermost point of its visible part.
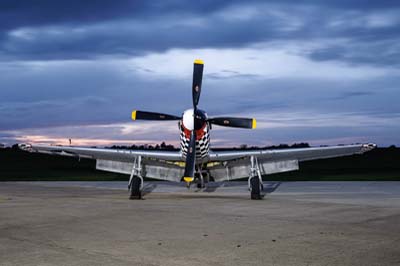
(269, 187)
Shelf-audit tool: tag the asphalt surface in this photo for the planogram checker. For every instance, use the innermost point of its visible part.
(298, 223)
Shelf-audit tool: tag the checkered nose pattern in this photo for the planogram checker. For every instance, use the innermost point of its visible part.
(202, 142)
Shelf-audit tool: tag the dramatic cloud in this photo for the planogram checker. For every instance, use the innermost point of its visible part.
(309, 71)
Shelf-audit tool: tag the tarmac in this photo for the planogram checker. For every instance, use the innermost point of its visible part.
(297, 223)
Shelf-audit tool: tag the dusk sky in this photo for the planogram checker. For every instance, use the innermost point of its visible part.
(323, 72)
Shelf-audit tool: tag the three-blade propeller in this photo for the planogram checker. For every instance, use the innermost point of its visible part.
(199, 118)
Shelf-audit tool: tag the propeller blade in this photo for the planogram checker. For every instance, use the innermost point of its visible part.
(197, 78)
(190, 159)
(142, 115)
(234, 122)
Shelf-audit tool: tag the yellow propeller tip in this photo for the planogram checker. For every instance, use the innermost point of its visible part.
(254, 124)
(188, 179)
(134, 115)
(199, 62)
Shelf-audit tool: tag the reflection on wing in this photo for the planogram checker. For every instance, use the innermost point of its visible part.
(299, 154)
(100, 153)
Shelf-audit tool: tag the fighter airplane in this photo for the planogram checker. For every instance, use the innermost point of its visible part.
(195, 163)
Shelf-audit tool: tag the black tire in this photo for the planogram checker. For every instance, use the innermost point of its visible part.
(136, 193)
(255, 188)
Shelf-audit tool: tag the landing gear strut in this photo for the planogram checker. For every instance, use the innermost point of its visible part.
(255, 180)
(202, 178)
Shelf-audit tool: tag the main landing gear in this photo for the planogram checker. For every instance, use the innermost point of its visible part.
(255, 181)
(135, 185)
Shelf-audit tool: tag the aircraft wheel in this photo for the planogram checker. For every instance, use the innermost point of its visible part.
(255, 188)
(136, 193)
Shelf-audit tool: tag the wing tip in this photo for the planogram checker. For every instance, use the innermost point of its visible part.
(25, 146)
(368, 147)
(134, 115)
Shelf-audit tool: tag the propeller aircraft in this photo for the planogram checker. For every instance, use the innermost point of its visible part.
(195, 163)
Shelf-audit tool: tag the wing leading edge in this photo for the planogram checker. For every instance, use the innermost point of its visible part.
(103, 154)
(299, 154)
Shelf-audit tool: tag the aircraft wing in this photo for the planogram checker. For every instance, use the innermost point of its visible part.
(102, 153)
(161, 165)
(230, 165)
(300, 154)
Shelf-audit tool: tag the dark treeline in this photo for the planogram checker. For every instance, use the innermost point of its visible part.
(162, 146)
(170, 147)
(280, 146)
